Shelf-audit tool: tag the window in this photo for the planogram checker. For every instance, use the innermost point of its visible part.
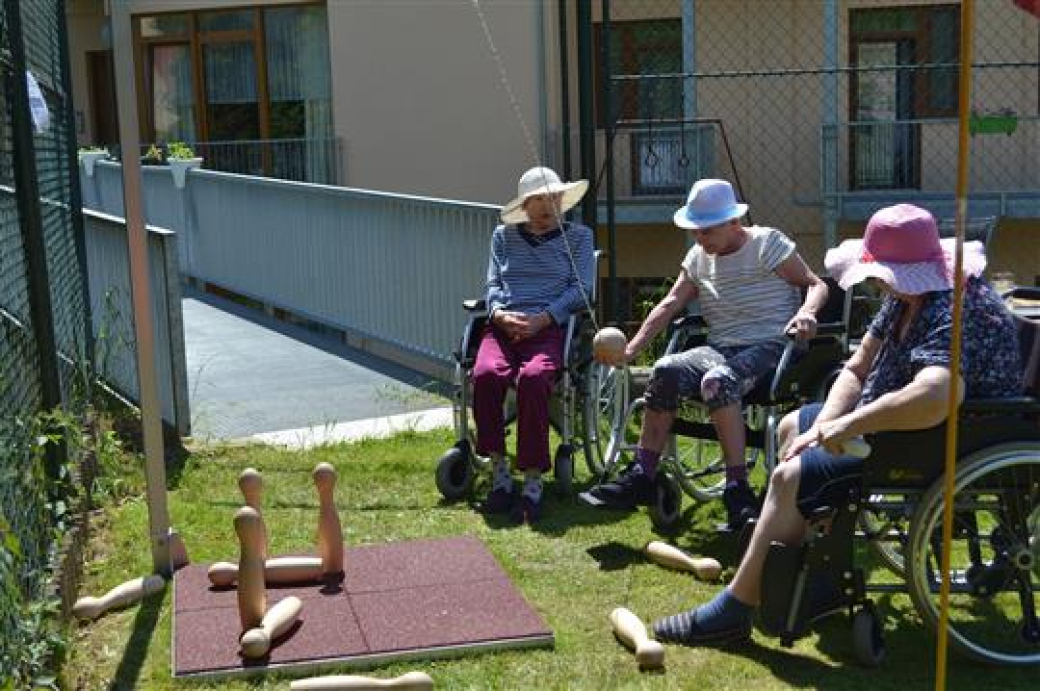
(648, 47)
(236, 79)
(927, 43)
(907, 60)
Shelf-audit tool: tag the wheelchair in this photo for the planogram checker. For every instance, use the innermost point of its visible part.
(580, 407)
(994, 557)
(691, 463)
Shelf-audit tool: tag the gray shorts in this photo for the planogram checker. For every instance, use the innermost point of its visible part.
(718, 376)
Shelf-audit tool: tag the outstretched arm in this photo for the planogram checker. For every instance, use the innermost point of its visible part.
(662, 314)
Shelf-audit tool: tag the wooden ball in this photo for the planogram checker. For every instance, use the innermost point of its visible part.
(609, 344)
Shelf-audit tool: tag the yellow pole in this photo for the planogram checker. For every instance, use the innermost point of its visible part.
(963, 106)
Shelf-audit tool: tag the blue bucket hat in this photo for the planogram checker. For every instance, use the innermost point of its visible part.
(710, 203)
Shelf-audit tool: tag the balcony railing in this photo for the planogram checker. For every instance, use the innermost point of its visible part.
(301, 160)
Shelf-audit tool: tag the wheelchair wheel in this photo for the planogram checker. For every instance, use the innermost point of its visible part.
(867, 642)
(604, 401)
(455, 472)
(563, 469)
(699, 466)
(666, 504)
(884, 521)
(994, 557)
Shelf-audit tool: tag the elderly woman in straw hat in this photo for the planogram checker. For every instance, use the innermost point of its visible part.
(898, 379)
(540, 270)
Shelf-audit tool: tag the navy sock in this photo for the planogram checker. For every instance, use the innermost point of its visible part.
(724, 617)
(648, 460)
(736, 473)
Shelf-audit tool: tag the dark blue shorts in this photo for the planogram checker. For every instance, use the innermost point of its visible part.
(825, 479)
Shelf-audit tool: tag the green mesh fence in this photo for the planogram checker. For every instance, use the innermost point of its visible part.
(821, 111)
(38, 216)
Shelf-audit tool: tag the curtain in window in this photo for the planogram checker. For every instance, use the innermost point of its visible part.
(297, 41)
(173, 103)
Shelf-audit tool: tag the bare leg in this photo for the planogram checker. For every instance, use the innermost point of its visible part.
(730, 426)
(656, 426)
(780, 522)
(787, 430)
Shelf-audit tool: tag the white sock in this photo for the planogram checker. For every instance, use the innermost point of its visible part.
(502, 477)
(533, 485)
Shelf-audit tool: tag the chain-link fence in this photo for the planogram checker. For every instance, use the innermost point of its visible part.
(43, 304)
(821, 111)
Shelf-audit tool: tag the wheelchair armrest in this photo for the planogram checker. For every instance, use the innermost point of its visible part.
(1017, 404)
(475, 305)
(1023, 292)
(689, 321)
(834, 329)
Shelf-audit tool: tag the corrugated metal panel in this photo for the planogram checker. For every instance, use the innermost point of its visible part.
(108, 270)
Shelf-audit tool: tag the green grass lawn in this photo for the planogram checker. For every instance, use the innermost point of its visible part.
(574, 568)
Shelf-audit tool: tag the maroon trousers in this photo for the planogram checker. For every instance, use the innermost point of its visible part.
(531, 365)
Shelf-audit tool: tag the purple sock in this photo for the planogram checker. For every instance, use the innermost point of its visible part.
(648, 460)
(736, 473)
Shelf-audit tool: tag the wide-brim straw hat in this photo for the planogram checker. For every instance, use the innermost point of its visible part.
(901, 247)
(541, 180)
(710, 203)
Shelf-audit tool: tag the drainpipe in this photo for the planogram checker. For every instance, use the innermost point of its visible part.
(543, 101)
(586, 123)
(689, 82)
(608, 136)
(565, 90)
(829, 131)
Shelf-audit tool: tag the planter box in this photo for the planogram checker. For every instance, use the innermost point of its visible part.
(89, 158)
(180, 167)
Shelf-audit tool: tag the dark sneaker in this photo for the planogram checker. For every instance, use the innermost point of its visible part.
(741, 504)
(527, 509)
(684, 630)
(499, 501)
(632, 488)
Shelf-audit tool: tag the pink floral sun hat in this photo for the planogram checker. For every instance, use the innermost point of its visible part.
(901, 246)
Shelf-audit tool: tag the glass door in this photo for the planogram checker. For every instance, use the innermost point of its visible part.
(884, 139)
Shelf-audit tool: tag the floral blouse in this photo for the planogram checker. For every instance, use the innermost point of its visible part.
(990, 362)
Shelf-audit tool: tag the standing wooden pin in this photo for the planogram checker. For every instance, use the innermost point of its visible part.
(252, 593)
(257, 642)
(251, 484)
(412, 681)
(662, 553)
(330, 532)
(631, 631)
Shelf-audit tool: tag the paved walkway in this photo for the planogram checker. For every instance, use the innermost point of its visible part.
(250, 375)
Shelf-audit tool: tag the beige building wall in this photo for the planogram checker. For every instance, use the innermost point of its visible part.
(87, 32)
(422, 104)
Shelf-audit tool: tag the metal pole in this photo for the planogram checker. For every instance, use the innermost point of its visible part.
(27, 193)
(829, 132)
(565, 90)
(608, 133)
(586, 122)
(129, 144)
(949, 474)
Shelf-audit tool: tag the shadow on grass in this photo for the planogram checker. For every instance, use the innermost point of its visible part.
(136, 649)
(614, 556)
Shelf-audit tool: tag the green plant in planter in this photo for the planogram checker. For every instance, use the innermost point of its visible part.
(179, 150)
(154, 156)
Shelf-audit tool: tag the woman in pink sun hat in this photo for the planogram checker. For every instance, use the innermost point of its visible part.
(898, 379)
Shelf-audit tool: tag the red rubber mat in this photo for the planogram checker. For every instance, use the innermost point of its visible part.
(419, 599)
